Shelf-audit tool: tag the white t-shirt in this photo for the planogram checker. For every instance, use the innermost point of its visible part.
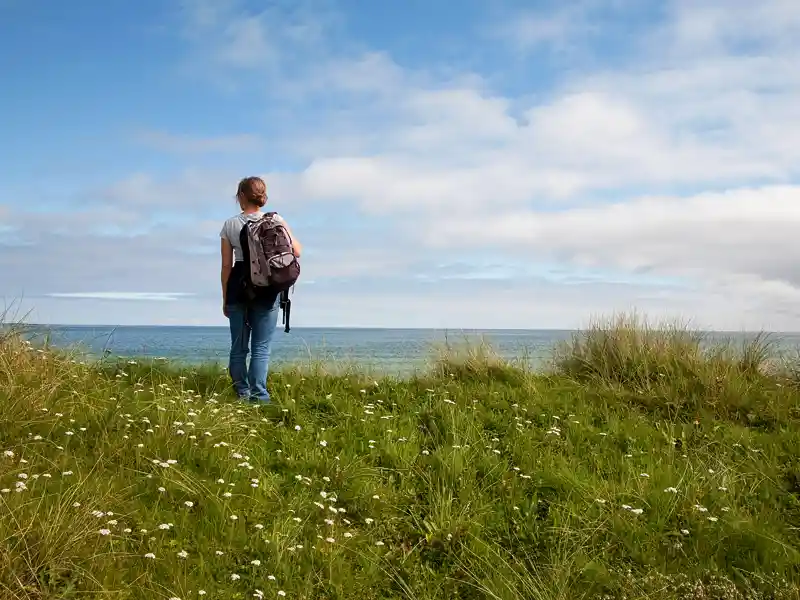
(232, 227)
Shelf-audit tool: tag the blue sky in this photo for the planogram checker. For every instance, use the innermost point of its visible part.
(485, 163)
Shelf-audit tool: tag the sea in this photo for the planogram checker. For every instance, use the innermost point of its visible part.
(388, 351)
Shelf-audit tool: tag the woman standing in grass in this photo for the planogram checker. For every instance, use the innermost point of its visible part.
(252, 322)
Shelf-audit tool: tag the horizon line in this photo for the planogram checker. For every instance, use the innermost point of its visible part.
(363, 327)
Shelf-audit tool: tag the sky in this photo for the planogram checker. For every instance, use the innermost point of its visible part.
(448, 164)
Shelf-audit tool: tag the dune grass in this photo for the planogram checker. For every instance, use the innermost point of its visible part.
(644, 464)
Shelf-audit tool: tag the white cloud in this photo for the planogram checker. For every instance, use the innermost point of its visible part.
(126, 296)
(558, 27)
(738, 235)
(528, 31)
(193, 189)
(718, 26)
(230, 34)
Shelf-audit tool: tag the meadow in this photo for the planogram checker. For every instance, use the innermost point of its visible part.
(640, 464)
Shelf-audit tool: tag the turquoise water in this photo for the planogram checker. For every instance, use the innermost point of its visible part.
(386, 350)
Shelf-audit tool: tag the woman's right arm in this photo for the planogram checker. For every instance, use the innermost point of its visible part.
(296, 245)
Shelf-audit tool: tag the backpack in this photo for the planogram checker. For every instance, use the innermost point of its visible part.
(272, 267)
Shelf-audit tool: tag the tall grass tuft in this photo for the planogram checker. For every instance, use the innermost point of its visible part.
(471, 360)
(669, 368)
(628, 350)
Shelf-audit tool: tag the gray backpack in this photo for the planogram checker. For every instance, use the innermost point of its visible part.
(273, 267)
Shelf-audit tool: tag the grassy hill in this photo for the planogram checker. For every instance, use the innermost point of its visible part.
(642, 465)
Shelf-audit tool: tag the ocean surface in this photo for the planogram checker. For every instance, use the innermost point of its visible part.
(384, 350)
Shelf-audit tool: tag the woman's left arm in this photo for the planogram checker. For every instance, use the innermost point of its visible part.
(226, 251)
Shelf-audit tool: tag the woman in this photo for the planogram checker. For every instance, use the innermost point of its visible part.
(251, 323)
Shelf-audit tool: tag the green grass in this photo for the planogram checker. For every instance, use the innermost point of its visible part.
(643, 465)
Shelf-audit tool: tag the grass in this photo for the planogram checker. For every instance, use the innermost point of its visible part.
(643, 464)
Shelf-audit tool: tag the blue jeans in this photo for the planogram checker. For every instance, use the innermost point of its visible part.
(254, 324)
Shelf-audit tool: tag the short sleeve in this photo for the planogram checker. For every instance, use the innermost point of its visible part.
(225, 232)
